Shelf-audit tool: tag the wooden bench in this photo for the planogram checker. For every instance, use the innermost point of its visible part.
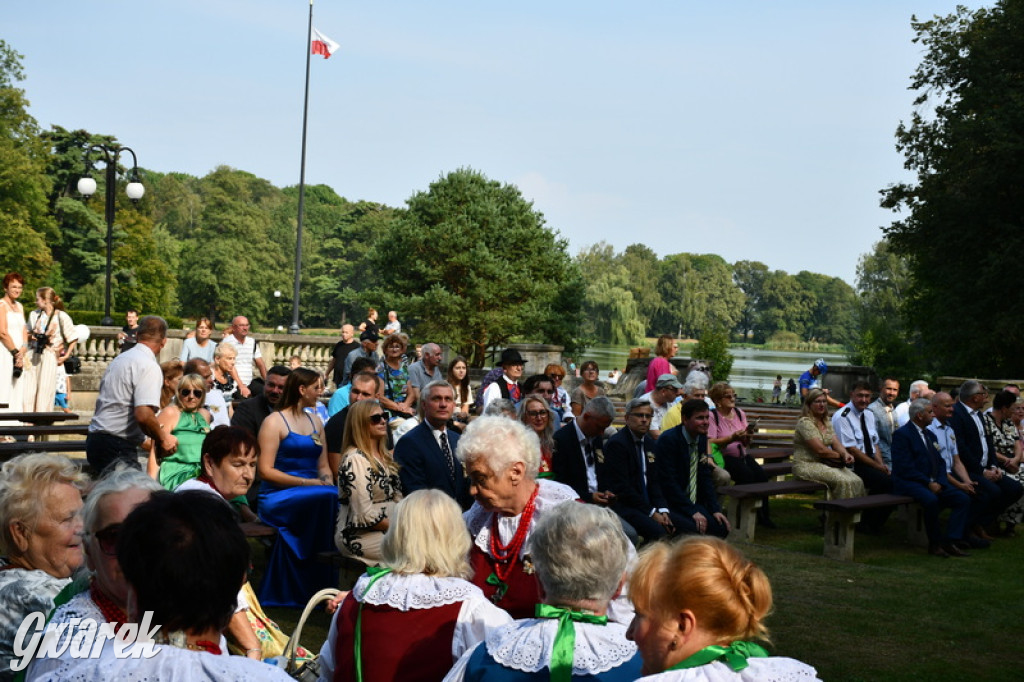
(9, 450)
(775, 454)
(46, 430)
(349, 569)
(778, 470)
(841, 517)
(39, 417)
(257, 529)
(746, 498)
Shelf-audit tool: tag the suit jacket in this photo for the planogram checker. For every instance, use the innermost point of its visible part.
(672, 455)
(568, 462)
(968, 442)
(883, 429)
(250, 413)
(912, 461)
(423, 465)
(622, 474)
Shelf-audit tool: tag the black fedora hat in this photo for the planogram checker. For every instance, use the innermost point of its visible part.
(510, 356)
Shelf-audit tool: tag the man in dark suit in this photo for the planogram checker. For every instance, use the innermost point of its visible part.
(686, 479)
(427, 453)
(919, 471)
(629, 472)
(578, 449)
(978, 456)
(250, 413)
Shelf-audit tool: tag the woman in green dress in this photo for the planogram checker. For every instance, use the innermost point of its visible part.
(189, 422)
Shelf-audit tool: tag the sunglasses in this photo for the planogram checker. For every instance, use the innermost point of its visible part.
(107, 538)
(378, 418)
(194, 392)
(556, 377)
(536, 413)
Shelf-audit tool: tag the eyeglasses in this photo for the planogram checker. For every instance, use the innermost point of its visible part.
(194, 392)
(107, 538)
(536, 413)
(378, 418)
(556, 377)
(641, 415)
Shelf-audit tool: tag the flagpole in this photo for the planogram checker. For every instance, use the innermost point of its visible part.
(294, 328)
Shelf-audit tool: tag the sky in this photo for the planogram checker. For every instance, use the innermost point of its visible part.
(751, 129)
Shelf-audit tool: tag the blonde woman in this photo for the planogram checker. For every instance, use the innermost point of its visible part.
(51, 339)
(187, 420)
(225, 376)
(417, 610)
(368, 483)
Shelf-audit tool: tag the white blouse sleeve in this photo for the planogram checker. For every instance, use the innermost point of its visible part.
(477, 618)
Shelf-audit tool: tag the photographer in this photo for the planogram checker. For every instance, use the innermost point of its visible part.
(51, 341)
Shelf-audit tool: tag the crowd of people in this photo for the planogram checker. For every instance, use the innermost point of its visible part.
(499, 527)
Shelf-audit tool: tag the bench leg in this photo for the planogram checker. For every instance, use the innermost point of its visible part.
(916, 532)
(743, 518)
(840, 529)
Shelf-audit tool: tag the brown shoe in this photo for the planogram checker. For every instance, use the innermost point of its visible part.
(936, 550)
(952, 550)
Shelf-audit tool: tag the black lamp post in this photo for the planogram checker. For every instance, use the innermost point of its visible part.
(134, 190)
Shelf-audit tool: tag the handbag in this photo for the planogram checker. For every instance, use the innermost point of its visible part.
(310, 670)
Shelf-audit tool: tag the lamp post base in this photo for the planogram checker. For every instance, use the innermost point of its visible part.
(107, 322)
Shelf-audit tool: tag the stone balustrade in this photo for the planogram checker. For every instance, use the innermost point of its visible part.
(314, 351)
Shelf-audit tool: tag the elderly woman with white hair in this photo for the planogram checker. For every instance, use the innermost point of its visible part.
(416, 605)
(105, 595)
(40, 539)
(580, 554)
(502, 457)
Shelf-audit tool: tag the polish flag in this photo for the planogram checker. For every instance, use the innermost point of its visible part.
(323, 45)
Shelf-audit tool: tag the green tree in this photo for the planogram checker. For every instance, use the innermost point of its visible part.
(230, 266)
(714, 348)
(962, 226)
(887, 342)
(610, 312)
(749, 276)
(698, 294)
(476, 265)
(641, 264)
(833, 316)
(26, 226)
(785, 304)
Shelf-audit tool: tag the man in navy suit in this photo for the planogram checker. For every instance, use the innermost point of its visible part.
(427, 453)
(629, 472)
(686, 478)
(919, 471)
(579, 448)
(978, 456)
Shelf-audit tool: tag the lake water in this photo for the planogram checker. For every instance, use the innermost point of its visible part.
(752, 368)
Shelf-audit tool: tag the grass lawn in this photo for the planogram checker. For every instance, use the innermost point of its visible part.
(896, 613)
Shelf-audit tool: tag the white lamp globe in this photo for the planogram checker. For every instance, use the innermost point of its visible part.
(134, 190)
(86, 186)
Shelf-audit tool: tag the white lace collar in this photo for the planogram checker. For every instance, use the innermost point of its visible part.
(526, 645)
(416, 591)
(550, 495)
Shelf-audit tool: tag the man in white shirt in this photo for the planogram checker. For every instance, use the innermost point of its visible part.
(393, 326)
(128, 401)
(855, 427)
(918, 389)
(249, 354)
